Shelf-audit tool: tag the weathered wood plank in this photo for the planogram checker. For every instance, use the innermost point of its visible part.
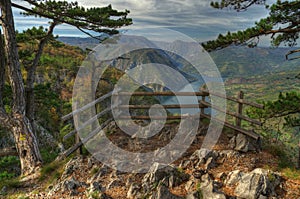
(243, 131)
(163, 93)
(89, 105)
(170, 106)
(253, 121)
(81, 142)
(234, 99)
(90, 121)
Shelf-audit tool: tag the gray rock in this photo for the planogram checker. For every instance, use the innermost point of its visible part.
(222, 176)
(257, 183)
(204, 156)
(210, 163)
(189, 185)
(71, 185)
(91, 162)
(200, 156)
(103, 196)
(233, 178)
(193, 195)
(96, 186)
(160, 172)
(115, 183)
(3, 190)
(71, 166)
(97, 176)
(208, 190)
(229, 154)
(199, 173)
(134, 191)
(244, 144)
(164, 193)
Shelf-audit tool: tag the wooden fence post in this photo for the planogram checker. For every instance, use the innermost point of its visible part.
(299, 155)
(77, 138)
(203, 87)
(238, 121)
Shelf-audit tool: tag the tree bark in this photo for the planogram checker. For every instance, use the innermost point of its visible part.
(16, 122)
(30, 79)
(2, 70)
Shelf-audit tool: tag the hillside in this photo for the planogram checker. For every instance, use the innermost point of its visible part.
(235, 61)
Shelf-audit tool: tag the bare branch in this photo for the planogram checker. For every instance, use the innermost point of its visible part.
(290, 53)
(87, 33)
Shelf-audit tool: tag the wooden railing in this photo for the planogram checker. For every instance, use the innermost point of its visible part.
(202, 105)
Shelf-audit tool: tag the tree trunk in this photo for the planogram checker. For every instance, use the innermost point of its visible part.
(2, 70)
(26, 144)
(25, 140)
(30, 79)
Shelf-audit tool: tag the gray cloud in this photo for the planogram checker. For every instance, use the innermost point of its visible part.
(192, 17)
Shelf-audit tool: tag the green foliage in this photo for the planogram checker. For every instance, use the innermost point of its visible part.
(8, 166)
(94, 170)
(104, 19)
(280, 119)
(291, 173)
(282, 24)
(10, 183)
(198, 188)
(95, 195)
(282, 152)
(31, 35)
(52, 171)
(64, 131)
(48, 155)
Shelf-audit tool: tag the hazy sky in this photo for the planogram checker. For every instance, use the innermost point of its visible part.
(192, 17)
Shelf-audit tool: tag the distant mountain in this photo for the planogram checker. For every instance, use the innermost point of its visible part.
(81, 42)
(236, 61)
(243, 61)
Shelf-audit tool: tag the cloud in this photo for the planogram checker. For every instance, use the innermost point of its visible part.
(187, 16)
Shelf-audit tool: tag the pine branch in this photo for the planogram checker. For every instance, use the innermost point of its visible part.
(290, 53)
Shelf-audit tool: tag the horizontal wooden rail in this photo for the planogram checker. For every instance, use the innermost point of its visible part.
(90, 136)
(89, 105)
(231, 113)
(243, 131)
(234, 99)
(169, 106)
(90, 121)
(164, 93)
(143, 117)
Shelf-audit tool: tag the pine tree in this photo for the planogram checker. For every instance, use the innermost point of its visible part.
(282, 24)
(20, 119)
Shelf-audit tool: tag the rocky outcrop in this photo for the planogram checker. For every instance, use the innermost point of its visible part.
(259, 183)
(169, 175)
(242, 143)
(157, 181)
(168, 181)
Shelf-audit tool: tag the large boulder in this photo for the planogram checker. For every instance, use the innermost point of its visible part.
(206, 157)
(233, 178)
(171, 176)
(242, 143)
(257, 184)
